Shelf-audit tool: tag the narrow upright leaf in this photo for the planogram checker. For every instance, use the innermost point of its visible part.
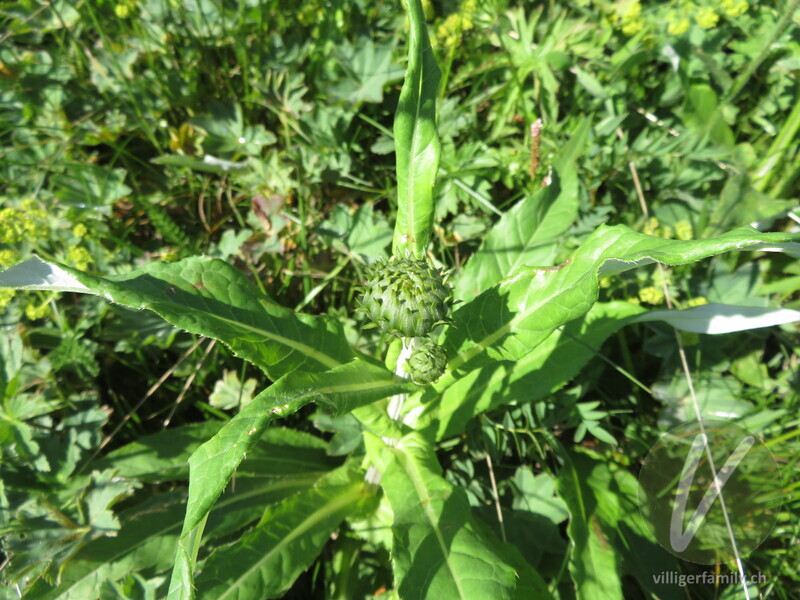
(211, 466)
(416, 140)
(265, 562)
(593, 559)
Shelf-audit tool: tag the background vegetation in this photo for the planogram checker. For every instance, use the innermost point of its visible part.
(139, 131)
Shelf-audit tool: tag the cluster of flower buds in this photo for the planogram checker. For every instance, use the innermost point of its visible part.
(427, 361)
(407, 298)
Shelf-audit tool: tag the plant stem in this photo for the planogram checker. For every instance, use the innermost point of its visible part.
(745, 76)
(396, 402)
(777, 151)
(395, 408)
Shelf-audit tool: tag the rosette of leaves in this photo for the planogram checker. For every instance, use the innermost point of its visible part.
(406, 297)
(427, 361)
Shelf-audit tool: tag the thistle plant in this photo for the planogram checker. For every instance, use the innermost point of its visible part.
(406, 297)
(502, 346)
(426, 362)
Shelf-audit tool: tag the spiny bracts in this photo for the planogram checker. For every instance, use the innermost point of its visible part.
(406, 297)
(427, 361)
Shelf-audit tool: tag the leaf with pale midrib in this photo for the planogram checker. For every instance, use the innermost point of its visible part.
(526, 235)
(354, 384)
(542, 371)
(208, 297)
(511, 318)
(265, 562)
(416, 140)
(437, 552)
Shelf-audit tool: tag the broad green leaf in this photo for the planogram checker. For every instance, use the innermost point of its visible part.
(164, 456)
(701, 110)
(369, 67)
(230, 393)
(529, 583)
(161, 456)
(497, 333)
(416, 141)
(526, 236)
(615, 490)
(228, 134)
(363, 232)
(593, 559)
(265, 562)
(438, 551)
(355, 384)
(510, 319)
(206, 297)
(90, 186)
(149, 533)
(542, 371)
(722, 318)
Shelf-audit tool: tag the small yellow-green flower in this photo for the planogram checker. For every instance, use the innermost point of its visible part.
(628, 16)
(632, 27)
(79, 230)
(124, 8)
(28, 222)
(310, 12)
(5, 298)
(449, 31)
(678, 25)
(683, 230)
(651, 226)
(8, 257)
(170, 255)
(707, 18)
(734, 8)
(79, 257)
(699, 301)
(12, 230)
(34, 312)
(651, 295)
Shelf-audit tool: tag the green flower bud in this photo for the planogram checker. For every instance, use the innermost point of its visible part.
(406, 297)
(426, 362)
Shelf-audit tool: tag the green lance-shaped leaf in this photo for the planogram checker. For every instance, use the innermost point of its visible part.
(211, 466)
(416, 140)
(207, 297)
(609, 492)
(593, 559)
(510, 319)
(526, 235)
(285, 464)
(438, 551)
(495, 334)
(542, 371)
(265, 562)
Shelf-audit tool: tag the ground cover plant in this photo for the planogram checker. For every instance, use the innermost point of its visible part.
(405, 305)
